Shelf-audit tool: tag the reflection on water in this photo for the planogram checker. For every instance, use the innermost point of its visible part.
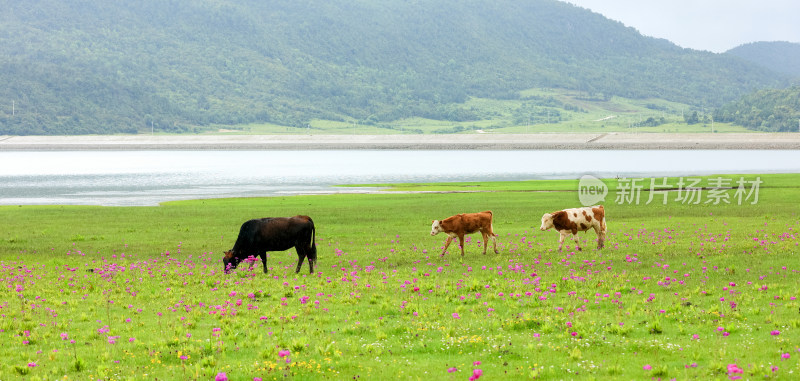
(150, 177)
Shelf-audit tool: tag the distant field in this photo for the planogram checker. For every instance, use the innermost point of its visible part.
(538, 110)
(684, 291)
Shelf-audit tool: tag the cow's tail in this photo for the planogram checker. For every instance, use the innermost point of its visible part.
(312, 246)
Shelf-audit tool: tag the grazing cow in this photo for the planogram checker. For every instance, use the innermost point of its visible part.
(466, 223)
(571, 221)
(257, 237)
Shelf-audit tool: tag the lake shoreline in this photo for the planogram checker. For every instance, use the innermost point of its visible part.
(543, 141)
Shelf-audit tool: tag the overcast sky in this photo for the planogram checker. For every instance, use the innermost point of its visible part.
(714, 25)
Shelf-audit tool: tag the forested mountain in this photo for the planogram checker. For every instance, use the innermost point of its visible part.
(782, 57)
(765, 110)
(98, 66)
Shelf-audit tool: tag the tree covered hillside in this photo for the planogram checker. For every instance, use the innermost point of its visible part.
(782, 57)
(765, 110)
(97, 66)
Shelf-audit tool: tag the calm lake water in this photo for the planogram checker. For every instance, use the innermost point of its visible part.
(150, 177)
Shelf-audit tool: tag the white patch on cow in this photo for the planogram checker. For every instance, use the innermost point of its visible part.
(436, 227)
(547, 222)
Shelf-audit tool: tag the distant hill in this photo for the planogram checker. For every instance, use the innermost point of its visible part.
(765, 110)
(98, 66)
(782, 57)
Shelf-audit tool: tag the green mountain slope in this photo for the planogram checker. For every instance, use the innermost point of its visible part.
(94, 66)
(765, 110)
(782, 57)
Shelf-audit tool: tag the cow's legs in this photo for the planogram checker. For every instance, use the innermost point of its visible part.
(263, 260)
(461, 244)
(575, 237)
(486, 241)
(301, 256)
(486, 237)
(601, 237)
(447, 244)
(562, 235)
(300, 259)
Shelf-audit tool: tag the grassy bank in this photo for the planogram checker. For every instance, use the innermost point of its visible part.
(538, 111)
(681, 291)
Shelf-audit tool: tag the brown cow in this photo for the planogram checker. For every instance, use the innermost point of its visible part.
(466, 223)
(571, 221)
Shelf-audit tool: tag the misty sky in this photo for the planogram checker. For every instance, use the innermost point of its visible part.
(714, 25)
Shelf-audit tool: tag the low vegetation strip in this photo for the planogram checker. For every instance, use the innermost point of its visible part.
(705, 291)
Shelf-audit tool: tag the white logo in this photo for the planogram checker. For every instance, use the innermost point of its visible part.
(591, 190)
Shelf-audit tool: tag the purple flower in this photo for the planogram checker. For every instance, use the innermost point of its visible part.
(775, 333)
(64, 336)
(455, 315)
(221, 376)
(284, 353)
(786, 356)
(647, 367)
(32, 364)
(452, 370)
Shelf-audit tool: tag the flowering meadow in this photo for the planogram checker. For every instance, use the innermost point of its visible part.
(680, 291)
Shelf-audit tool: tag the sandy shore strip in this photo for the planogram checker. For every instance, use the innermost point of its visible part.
(543, 141)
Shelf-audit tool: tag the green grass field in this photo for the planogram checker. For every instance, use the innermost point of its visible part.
(537, 111)
(684, 291)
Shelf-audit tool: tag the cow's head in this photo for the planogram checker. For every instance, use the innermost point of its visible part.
(229, 261)
(436, 227)
(547, 221)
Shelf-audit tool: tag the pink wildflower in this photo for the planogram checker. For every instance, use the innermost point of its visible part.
(476, 374)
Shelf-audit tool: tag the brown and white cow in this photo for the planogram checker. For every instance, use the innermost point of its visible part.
(571, 221)
(466, 223)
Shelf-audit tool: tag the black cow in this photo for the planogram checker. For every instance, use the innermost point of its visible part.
(257, 237)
